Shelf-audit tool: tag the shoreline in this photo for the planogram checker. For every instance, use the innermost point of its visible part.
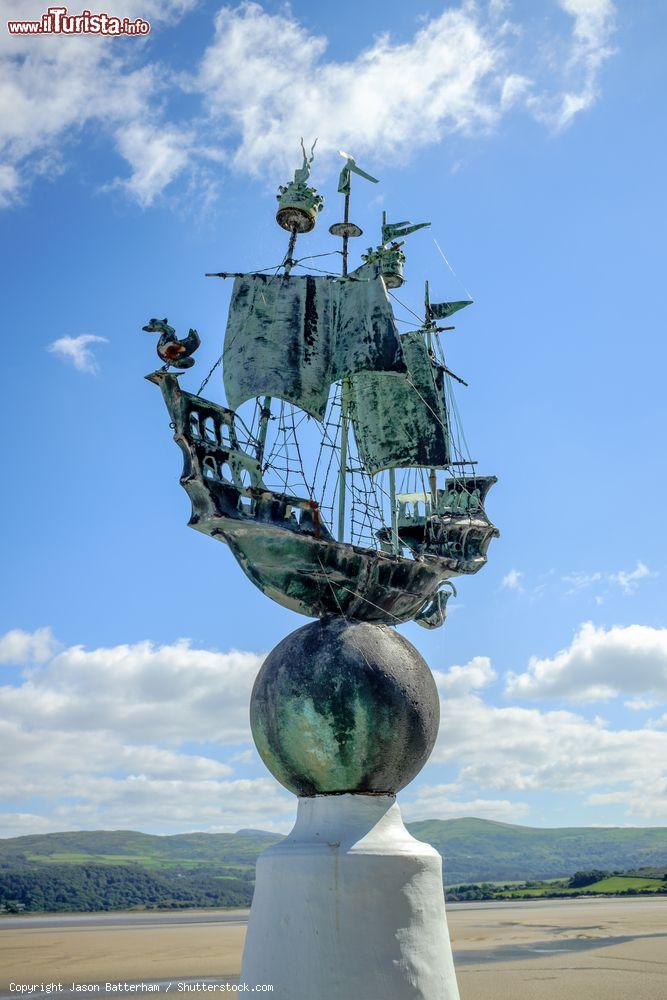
(226, 911)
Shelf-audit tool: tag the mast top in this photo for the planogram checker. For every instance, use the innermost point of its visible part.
(388, 255)
(298, 202)
(347, 229)
(351, 168)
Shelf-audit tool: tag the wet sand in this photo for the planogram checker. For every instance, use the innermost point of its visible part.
(96, 948)
(597, 949)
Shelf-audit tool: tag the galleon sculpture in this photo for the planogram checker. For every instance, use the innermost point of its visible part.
(344, 711)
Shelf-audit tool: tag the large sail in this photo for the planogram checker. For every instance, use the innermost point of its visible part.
(402, 422)
(291, 337)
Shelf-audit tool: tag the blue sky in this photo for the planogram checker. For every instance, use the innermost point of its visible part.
(532, 136)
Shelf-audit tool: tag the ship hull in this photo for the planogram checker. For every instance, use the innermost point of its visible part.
(280, 541)
(319, 577)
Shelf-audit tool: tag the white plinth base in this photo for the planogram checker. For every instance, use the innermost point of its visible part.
(350, 907)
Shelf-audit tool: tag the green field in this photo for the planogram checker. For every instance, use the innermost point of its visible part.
(621, 883)
(613, 885)
(146, 861)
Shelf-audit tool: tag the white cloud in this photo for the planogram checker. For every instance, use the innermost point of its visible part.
(515, 87)
(437, 801)
(109, 738)
(648, 803)
(512, 580)
(180, 806)
(49, 760)
(51, 88)
(16, 824)
(513, 748)
(19, 647)
(591, 34)
(599, 663)
(460, 680)
(172, 693)
(77, 351)
(147, 736)
(137, 801)
(640, 704)
(628, 581)
(521, 750)
(156, 154)
(267, 79)
(580, 581)
(10, 183)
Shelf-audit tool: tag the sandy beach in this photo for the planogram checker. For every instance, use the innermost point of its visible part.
(599, 949)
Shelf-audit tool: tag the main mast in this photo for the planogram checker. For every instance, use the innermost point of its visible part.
(345, 230)
(298, 206)
(429, 327)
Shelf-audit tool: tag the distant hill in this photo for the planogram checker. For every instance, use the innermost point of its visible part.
(144, 848)
(477, 850)
(100, 869)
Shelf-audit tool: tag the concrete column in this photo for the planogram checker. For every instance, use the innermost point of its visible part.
(350, 907)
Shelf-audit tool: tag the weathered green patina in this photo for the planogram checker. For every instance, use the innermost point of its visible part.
(399, 423)
(442, 310)
(344, 706)
(298, 202)
(289, 339)
(280, 541)
(292, 337)
(388, 256)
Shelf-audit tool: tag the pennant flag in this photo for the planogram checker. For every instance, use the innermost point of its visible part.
(441, 310)
(394, 230)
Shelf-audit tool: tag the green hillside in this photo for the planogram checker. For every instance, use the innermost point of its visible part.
(124, 845)
(476, 850)
(99, 869)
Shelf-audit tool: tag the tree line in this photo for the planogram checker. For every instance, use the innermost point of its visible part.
(90, 887)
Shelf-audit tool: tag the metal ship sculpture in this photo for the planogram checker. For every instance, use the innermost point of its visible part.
(337, 474)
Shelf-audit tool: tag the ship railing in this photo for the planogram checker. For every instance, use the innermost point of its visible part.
(232, 479)
(417, 508)
(255, 500)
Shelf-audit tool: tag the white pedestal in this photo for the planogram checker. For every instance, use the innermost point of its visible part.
(350, 907)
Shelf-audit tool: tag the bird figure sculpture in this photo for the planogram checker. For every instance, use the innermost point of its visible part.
(170, 349)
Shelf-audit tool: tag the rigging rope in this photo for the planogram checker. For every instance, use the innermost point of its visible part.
(452, 269)
(205, 382)
(419, 318)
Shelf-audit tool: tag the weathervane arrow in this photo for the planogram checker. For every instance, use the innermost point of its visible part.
(351, 168)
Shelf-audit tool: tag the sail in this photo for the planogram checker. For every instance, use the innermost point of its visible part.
(291, 337)
(401, 422)
(441, 310)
